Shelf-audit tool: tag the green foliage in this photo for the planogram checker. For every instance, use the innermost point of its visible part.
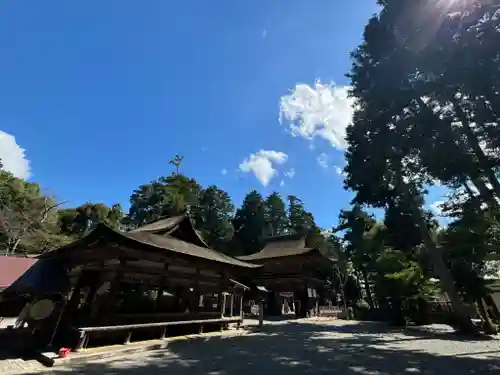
(420, 117)
(78, 221)
(250, 223)
(416, 105)
(384, 255)
(399, 276)
(468, 244)
(212, 216)
(275, 216)
(299, 220)
(166, 196)
(28, 218)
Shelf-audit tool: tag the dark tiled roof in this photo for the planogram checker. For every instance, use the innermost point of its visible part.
(152, 242)
(180, 227)
(162, 225)
(182, 247)
(11, 268)
(281, 246)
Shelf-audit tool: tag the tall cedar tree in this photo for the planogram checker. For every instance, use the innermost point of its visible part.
(299, 220)
(249, 224)
(411, 113)
(212, 217)
(276, 215)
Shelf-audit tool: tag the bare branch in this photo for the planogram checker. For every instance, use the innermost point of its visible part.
(17, 223)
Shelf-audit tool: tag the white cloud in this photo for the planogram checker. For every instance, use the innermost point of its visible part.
(264, 33)
(322, 160)
(319, 111)
(338, 170)
(261, 164)
(282, 183)
(437, 207)
(290, 173)
(13, 157)
(223, 171)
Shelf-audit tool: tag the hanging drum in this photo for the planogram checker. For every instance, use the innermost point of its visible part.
(41, 310)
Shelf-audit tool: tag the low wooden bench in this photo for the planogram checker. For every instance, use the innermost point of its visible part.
(84, 332)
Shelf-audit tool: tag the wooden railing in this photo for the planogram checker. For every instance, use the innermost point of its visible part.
(85, 332)
(331, 311)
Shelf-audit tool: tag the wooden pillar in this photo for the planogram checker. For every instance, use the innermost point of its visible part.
(87, 308)
(261, 312)
(231, 307)
(161, 288)
(158, 297)
(196, 291)
(114, 290)
(75, 296)
(128, 337)
(223, 307)
(241, 306)
(62, 308)
(81, 341)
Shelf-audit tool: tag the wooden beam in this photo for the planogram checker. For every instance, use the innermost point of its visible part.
(261, 312)
(155, 325)
(103, 251)
(130, 270)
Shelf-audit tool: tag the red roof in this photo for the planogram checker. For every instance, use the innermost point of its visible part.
(11, 268)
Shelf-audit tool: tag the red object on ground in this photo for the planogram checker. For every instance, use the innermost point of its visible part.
(63, 352)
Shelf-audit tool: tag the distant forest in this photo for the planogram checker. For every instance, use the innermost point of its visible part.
(31, 222)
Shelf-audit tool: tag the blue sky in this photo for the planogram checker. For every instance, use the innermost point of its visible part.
(101, 94)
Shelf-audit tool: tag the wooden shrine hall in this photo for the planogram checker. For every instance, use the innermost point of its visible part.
(293, 270)
(159, 279)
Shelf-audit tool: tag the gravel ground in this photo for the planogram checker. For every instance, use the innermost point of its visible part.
(313, 347)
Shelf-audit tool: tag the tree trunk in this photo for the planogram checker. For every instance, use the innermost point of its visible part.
(13, 246)
(398, 317)
(462, 312)
(489, 327)
(474, 145)
(367, 288)
(342, 283)
(476, 148)
(485, 193)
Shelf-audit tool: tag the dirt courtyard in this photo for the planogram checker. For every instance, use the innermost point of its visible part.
(334, 347)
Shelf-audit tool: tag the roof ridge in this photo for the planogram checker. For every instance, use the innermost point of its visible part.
(228, 258)
(207, 248)
(162, 218)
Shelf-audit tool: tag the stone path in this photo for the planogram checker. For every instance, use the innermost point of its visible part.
(333, 348)
(18, 366)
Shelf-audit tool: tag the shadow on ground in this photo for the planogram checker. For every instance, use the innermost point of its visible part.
(298, 349)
